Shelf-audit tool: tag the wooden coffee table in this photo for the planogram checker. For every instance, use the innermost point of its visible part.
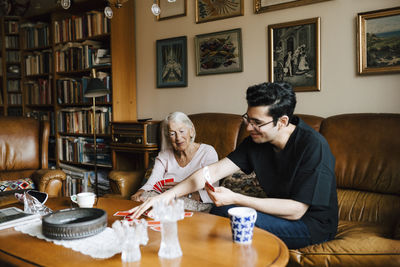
(205, 240)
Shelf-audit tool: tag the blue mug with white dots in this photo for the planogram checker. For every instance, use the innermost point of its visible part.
(243, 220)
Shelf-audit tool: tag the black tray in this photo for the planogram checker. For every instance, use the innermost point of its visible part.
(74, 223)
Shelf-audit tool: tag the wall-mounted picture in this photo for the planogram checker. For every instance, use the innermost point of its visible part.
(208, 10)
(171, 10)
(219, 52)
(294, 54)
(261, 6)
(172, 62)
(378, 41)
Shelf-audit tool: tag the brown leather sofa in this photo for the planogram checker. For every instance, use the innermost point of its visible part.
(24, 154)
(367, 152)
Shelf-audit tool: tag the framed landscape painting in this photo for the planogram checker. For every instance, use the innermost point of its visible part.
(261, 6)
(378, 41)
(172, 62)
(208, 10)
(294, 54)
(219, 52)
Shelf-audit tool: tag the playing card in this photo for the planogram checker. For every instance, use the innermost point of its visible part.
(210, 186)
(156, 228)
(122, 213)
(188, 214)
(156, 188)
(206, 175)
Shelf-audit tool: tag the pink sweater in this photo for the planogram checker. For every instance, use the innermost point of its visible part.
(166, 166)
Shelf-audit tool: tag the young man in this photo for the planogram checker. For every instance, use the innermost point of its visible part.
(292, 162)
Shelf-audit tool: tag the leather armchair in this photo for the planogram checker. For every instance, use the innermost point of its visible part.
(24, 153)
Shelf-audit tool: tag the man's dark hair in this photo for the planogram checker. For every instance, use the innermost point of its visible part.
(279, 96)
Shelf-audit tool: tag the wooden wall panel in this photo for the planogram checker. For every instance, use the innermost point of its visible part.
(123, 62)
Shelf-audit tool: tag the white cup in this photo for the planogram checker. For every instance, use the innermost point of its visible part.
(84, 199)
(242, 224)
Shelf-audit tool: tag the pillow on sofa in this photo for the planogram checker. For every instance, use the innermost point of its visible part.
(14, 186)
(246, 184)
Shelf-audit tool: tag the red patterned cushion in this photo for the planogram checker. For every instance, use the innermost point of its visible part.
(7, 187)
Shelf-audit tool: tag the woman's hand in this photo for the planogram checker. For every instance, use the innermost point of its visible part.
(222, 196)
(136, 196)
(167, 197)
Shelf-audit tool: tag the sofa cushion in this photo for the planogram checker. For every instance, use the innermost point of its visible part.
(355, 244)
(13, 186)
(246, 184)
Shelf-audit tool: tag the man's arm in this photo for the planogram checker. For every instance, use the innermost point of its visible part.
(284, 208)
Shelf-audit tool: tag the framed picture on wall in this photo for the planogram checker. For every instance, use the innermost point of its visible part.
(171, 10)
(294, 54)
(219, 52)
(261, 6)
(378, 41)
(207, 10)
(172, 62)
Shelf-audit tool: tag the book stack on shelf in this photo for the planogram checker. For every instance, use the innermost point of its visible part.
(83, 180)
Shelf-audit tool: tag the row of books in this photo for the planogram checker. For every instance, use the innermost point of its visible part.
(44, 116)
(72, 90)
(35, 35)
(81, 56)
(81, 27)
(38, 62)
(39, 92)
(81, 150)
(13, 86)
(83, 180)
(11, 27)
(13, 56)
(15, 99)
(12, 42)
(79, 120)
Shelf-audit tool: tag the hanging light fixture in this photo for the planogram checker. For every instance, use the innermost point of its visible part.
(108, 12)
(65, 4)
(155, 9)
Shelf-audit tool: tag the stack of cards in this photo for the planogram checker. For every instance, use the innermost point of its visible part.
(158, 187)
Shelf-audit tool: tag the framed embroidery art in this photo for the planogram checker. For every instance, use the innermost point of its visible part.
(219, 52)
(207, 10)
(294, 54)
(172, 62)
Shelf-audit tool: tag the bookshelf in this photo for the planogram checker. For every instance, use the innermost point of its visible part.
(81, 42)
(56, 67)
(11, 99)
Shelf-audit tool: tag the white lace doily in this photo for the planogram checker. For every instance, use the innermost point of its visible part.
(102, 245)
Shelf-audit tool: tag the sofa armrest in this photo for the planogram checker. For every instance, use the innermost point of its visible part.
(49, 181)
(125, 183)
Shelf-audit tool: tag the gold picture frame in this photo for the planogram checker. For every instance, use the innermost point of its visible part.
(207, 10)
(378, 39)
(261, 6)
(294, 54)
(171, 10)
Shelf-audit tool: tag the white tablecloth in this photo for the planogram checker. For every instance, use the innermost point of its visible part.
(102, 245)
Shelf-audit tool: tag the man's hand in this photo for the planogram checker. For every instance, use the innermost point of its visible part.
(222, 196)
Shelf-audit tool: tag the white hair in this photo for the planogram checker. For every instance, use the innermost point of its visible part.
(178, 117)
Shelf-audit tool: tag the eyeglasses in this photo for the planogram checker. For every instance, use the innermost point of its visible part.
(256, 126)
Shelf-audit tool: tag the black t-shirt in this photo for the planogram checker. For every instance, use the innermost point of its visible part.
(303, 171)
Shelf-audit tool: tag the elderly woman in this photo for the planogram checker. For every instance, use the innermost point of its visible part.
(179, 157)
